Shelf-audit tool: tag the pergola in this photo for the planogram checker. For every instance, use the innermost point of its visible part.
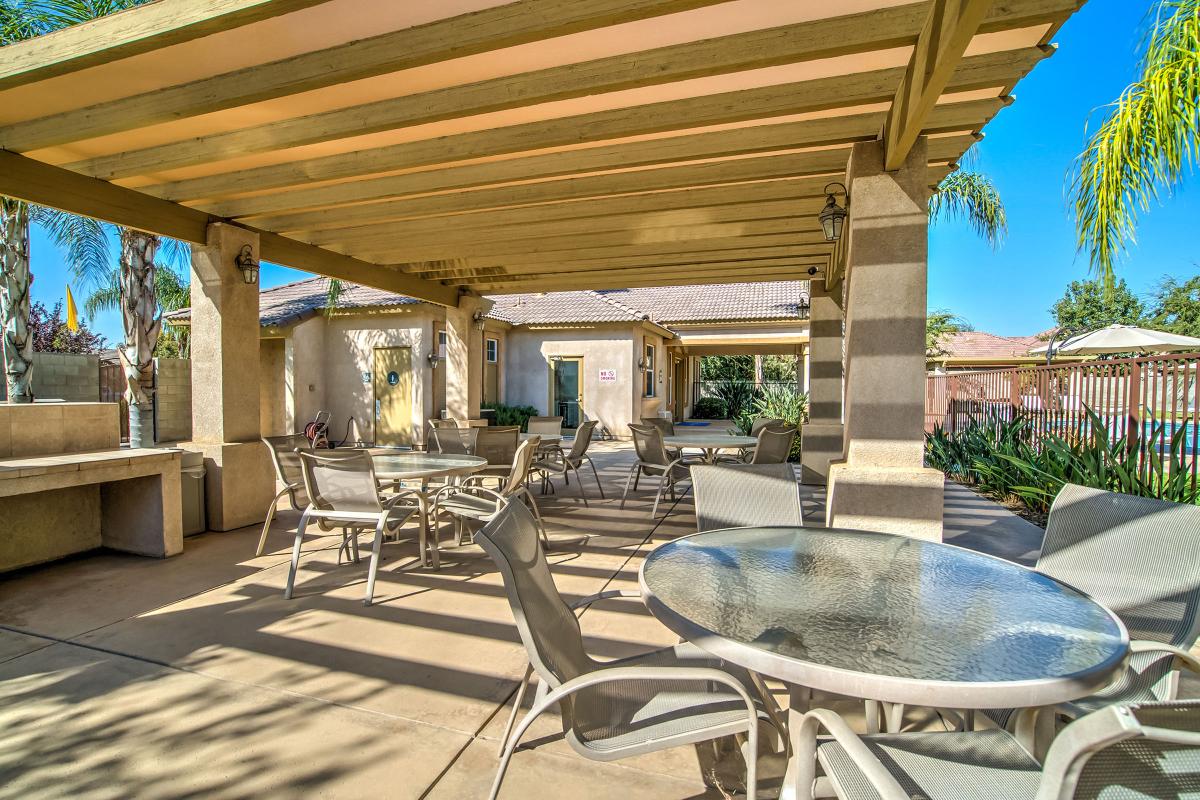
(454, 148)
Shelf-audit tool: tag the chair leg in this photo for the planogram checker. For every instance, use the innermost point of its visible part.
(262, 540)
(658, 495)
(291, 582)
(512, 717)
(354, 543)
(374, 568)
(750, 754)
(636, 468)
(538, 516)
(510, 747)
(579, 482)
(592, 464)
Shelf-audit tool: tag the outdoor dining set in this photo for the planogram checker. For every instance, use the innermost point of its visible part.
(1057, 681)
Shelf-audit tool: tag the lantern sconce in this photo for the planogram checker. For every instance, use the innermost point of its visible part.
(246, 263)
(433, 358)
(833, 216)
(477, 317)
(643, 363)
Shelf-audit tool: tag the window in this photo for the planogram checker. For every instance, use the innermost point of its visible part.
(491, 350)
(442, 344)
(648, 374)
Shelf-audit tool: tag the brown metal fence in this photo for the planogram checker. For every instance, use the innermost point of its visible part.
(1152, 397)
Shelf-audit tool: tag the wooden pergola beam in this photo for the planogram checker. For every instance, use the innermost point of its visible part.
(34, 182)
(699, 271)
(442, 40)
(940, 47)
(130, 33)
(562, 285)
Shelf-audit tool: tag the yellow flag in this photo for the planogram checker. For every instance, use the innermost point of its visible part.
(72, 313)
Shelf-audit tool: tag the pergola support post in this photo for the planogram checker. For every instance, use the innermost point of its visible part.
(239, 480)
(464, 357)
(822, 435)
(882, 483)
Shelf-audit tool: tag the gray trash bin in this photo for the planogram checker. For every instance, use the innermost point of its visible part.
(191, 489)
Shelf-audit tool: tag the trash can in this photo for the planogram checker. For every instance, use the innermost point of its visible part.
(191, 490)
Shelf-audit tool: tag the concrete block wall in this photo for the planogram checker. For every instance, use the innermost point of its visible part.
(73, 377)
(173, 410)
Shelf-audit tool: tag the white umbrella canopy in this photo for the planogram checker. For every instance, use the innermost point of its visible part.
(1122, 339)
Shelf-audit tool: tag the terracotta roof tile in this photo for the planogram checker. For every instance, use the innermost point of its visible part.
(982, 345)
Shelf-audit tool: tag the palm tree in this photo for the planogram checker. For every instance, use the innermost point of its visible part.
(971, 196)
(172, 291)
(1149, 139)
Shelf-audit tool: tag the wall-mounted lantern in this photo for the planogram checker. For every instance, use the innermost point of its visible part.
(433, 358)
(833, 216)
(247, 264)
(643, 363)
(477, 317)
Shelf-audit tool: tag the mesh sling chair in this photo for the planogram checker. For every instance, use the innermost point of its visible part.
(775, 438)
(285, 457)
(666, 698)
(545, 426)
(667, 428)
(1139, 557)
(1135, 752)
(455, 440)
(746, 495)
(498, 445)
(654, 460)
(561, 463)
(344, 494)
(469, 500)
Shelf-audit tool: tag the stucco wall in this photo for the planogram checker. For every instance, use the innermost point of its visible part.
(173, 399)
(527, 370)
(304, 372)
(73, 377)
(650, 406)
(272, 388)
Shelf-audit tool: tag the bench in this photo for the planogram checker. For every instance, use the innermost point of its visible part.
(54, 506)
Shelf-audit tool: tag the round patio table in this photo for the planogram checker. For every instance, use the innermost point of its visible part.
(883, 617)
(547, 438)
(710, 443)
(413, 465)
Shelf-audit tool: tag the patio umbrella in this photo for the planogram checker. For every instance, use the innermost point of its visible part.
(1122, 339)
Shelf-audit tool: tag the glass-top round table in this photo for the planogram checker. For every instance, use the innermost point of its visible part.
(710, 443)
(545, 438)
(414, 465)
(884, 617)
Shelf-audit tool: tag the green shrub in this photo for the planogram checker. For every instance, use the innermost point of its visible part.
(736, 395)
(775, 402)
(709, 408)
(512, 415)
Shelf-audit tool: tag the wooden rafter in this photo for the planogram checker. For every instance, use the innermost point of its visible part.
(944, 39)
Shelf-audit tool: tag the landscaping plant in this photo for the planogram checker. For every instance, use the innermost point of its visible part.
(512, 415)
(775, 402)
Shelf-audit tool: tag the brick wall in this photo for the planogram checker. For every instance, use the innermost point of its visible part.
(173, 410)
(64, 376)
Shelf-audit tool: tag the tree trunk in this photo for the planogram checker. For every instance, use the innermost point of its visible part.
(139, 314)
(758, 372)
(14, 299)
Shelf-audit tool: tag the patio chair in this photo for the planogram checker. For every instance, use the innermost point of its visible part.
(498, 444)
(1149, 750)
(344, 494)
(774, 444)
(665, 698)
(654, 460)
(746, 495)
(545, 426)
(454, 440)
(561, 463)
(762, 422)
(285, 457)
(1140, 557)
(747, 455)
(468, 500)
(667, 428)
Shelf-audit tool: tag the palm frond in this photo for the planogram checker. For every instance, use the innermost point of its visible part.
(333, 295)
(106, 297)
(972, 197)
(1146, 143)
(175, 255)
(85, 240)
(173, 292)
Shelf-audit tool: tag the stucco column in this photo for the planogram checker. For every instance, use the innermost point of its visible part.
(225, 382)
(883, 484)
(821, 436)
(464, 358)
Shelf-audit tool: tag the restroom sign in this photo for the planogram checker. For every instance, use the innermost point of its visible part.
(608, 376)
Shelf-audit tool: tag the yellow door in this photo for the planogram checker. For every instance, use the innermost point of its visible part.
(393, 395)
(491, 370)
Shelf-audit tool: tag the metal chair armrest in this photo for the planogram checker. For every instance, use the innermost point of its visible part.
(595, 598)
(1182, 657)
(884, 783)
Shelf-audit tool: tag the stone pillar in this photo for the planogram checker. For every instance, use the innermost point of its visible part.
(464, 358)
(882, 484)
(821, 436)
(802, 368)
(240, 480)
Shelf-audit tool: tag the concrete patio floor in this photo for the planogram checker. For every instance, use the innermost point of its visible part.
(130, 677)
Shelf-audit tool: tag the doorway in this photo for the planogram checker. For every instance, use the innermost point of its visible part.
(679, 389)
(393, 395)
(566, 388)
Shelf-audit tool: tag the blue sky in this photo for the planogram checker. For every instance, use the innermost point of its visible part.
(1028, 151)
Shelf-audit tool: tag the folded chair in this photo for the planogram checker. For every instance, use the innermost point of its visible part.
(610, 710)
(1140, 557)
(468, 500)
(285, 456)
(654, 460)
(558, 462)
(746, 495)
(1137, 752)
(344, 494)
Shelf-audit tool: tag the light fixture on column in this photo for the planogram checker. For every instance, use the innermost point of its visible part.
(833, 216)
(477, 317)
(433, 358)
(247, 264)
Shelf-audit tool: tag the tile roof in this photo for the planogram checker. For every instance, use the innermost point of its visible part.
(293, 302)
(982, 345)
